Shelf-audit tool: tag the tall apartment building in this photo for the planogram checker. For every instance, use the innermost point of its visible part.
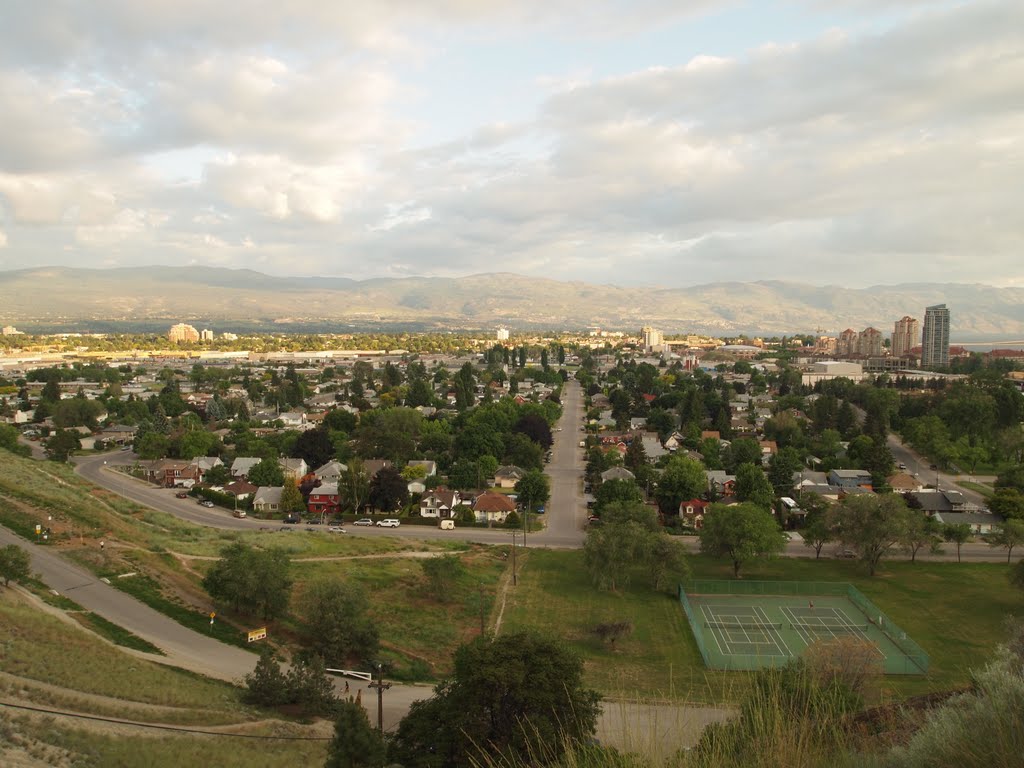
(869, 342)
(206, 335)
(906, 334)
(935, 339)
(846, 344)
(652, 338)
(182, 332)
(502, 334)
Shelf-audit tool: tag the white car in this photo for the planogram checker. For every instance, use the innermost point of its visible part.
(390, 522)
(335, 529)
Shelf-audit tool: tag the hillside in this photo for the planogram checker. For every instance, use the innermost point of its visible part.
(113, 299)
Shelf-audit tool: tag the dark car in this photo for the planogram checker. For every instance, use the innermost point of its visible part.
(933, 466)
(291, 520)
(181, 495)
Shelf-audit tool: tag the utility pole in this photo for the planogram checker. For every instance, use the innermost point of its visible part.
(514, 582)
(381, 686)
(526, 520)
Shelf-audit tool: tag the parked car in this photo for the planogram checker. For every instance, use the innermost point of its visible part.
(181, 495)
(335, 529)
(240, 513)
(206, 503)
(291, 520)
(363, 521)
(846, 554)
(446, 524)
(901, 465)
(390, 522)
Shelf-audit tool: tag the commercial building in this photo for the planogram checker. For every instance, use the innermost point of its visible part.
(935, 339)
(652, 338)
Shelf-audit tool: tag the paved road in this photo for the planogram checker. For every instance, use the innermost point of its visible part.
(919, 468)
(566, 512)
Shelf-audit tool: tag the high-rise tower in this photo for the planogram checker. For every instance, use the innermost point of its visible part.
(935, 341)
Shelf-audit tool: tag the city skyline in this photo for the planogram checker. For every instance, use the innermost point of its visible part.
(634, 144)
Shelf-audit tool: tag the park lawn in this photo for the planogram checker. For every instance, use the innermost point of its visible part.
(419, 630)
(659, 659)
(955, 611)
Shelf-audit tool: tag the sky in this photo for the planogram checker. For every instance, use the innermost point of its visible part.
(652, 142)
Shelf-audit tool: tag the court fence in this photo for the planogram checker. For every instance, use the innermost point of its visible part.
(915, 661)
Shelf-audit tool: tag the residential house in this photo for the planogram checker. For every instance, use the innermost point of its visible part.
(242, 465)
(768, 449)
(902, 482)
(324, 500)
(372, 466)
(267, 499)
(652, 446)
(293, 419)
(720, 482)
(508, 476)
(169, 473)
(850, 478)
(206, 463)
(979, 522)
(691, 512)
(294, 468)
(240, 489)
(330, 472)
(492, 507)
(118, 433)
(440, 503)
(429, 467)
(712, 434)
(617, 473)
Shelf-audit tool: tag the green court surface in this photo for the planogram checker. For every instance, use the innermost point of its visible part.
(752, 625)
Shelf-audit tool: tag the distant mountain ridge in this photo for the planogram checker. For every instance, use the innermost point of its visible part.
(217, 296)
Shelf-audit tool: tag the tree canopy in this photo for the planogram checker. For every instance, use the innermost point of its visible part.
(251, 580)
(513, 697)
(336, 622)
(742, 533)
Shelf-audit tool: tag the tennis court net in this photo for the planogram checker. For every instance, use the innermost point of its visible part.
(830, 627)
(742, 625)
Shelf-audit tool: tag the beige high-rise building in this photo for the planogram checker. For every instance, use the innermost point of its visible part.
(906, 334)
(846, 344)
(652, 338)
(206, 335)
(182, 332)
(869, 342)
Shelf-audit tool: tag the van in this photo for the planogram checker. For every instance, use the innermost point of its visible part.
(239, 513)
(447, 525)
(583, 443)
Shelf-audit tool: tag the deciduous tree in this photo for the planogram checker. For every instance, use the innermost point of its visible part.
(336, 621)
(533, 489)
(388, 491)
(957, 533)
(356, 744)
(872, 525)
(253, 581)
(683, 478)
(742, 533)
(15, 564)
(509, 700)
(1010, 534)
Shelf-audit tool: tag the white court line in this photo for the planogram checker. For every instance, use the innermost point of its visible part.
(793, 623)
(703, 609)
(774, 634)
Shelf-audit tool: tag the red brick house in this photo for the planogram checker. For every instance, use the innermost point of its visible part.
(692, 512)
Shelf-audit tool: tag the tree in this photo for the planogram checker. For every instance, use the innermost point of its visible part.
(636, 455)
(872, 525)
(388, 491)
(613, 491)
(957, 533)
(533, 489)
(61, 445)
(267, 474)
(742, 533)
(337, 624)
(781, 468)
(315, 447)
(535, 427)
(682, 479)
(1008, 502)
(920, 531)
(15, 564)
(354, 485)
(1010, 534)
(9, 441)
(266, 685)
(509, 700)
(752, 485)
(292, 502)
(612, 551)
(253, 581)
(817, 532)
(356, 744)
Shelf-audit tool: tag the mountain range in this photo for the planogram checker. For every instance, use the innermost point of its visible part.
(49, 298)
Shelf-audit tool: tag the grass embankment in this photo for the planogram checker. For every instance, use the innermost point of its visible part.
(955, 611)
(48, 664)
(983, 488)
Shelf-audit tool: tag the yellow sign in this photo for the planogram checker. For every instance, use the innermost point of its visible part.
(257, 634)
(213, 615)
(39, 529)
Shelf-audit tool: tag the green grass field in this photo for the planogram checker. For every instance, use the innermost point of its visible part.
(955, 611)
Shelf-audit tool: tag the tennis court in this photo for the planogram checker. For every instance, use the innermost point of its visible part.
(751, 625)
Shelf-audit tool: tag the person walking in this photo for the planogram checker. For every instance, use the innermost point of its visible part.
(103, 544)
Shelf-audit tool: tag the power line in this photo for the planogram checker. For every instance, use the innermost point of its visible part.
(156, 726)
